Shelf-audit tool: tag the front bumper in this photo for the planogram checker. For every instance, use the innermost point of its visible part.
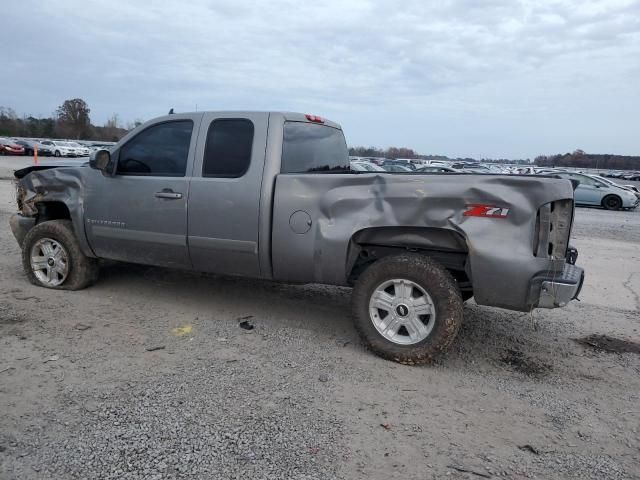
(20, 226)
(13, 151)
(558, 291)
(629, 203)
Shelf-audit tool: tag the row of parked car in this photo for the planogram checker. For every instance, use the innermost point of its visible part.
(438, 166)
(46, 148)
(622, 174)
(592, 190)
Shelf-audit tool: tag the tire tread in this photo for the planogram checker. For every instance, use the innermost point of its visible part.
(83, 271)
(440, 285)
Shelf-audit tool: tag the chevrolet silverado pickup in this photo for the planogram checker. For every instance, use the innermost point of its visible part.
(270, 195)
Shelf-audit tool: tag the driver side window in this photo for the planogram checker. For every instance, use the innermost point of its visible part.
(587, 181)
(574, 176)
(160, 150)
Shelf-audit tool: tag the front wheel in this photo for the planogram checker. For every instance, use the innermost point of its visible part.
(57, 154)
(52, 258)
(407, 308)
(612, 202)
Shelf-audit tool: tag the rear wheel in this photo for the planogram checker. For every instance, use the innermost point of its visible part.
(57, 154)
(407, 308)
(612, 202)
(52, 258)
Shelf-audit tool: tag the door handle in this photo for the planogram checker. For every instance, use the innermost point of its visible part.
(168, 194)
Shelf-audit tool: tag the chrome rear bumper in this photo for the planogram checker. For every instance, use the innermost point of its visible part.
(557, 292)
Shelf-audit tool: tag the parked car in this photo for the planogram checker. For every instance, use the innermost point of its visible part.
(395, 168)
(435, 169)
(401, 163)
(81, 150)
(545, 171)
(60, 148)
(10, 147)
(472, 167)
(366, 167)
(475, 170)
(435, 163)
(271, 196)
(597, 192)
(524, 171)
(498, 169)
(30, 146)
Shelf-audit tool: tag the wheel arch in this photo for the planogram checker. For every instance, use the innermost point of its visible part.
(446, 246)
(47, 210)
(52, 210)
(603, 203)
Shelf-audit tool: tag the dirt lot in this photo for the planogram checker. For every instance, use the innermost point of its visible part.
(149, 375)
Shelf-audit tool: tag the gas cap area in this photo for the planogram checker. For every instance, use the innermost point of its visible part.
(300, 222)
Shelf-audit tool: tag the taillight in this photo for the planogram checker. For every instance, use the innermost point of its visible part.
(314, 118)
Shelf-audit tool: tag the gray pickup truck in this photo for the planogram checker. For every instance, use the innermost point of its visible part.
(271, 195)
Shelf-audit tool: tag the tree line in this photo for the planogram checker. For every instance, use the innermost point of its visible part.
(71, 120)
(581, 159)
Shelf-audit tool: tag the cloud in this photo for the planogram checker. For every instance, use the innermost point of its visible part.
(353, 59)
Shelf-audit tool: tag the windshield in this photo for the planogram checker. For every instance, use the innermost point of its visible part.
(606, 180)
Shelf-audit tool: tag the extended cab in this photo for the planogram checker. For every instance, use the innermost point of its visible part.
(271, 195)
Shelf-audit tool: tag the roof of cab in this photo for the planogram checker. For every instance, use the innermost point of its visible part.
(287, 116)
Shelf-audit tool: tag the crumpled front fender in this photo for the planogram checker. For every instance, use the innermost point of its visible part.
(64, 185)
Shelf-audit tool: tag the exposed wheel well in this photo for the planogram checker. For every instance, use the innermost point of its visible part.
(447, 247)
(52, 211)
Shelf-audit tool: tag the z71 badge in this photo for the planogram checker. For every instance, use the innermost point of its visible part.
(490, 211)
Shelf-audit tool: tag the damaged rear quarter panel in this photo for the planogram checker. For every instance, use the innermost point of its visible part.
(500, 249)
(62, 184)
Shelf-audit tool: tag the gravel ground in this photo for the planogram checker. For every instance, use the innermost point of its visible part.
(148, 374)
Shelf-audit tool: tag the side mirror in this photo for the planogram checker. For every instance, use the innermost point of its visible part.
(101, 160)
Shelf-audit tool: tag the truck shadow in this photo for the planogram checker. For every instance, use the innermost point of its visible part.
(490, 339)
(321, 308)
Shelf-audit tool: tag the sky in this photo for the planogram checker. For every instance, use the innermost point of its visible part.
(477, 78)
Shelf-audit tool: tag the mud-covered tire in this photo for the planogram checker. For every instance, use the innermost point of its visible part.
(82, 270)
(429, 276)
(612, 202)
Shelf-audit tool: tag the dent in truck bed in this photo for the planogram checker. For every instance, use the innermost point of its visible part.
(500, 250)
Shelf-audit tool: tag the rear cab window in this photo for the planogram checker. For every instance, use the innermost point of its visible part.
(313, 148)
